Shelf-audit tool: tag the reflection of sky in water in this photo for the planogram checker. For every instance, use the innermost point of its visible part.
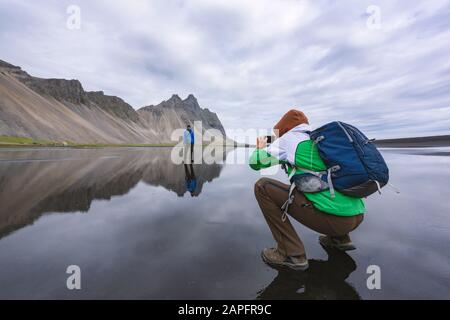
(149, 242)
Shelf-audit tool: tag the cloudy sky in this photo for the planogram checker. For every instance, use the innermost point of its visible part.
(385, 69)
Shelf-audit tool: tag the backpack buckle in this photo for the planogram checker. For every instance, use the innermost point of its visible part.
(318, 139)
(335, 168)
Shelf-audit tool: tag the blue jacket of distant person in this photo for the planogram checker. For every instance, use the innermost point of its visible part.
(191, 185)
(188, 137)
(192, 135)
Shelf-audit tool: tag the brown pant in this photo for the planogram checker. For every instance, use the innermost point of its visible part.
(271, 194)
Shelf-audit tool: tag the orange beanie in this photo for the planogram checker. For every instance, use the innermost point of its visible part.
(290, 120)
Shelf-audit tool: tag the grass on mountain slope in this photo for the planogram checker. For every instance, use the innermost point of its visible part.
(19, 141)
(9, 141)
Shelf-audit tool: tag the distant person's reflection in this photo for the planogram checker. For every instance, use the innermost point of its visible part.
(191, 180)
(323, 280)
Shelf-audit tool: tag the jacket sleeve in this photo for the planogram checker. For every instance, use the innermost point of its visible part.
(261, 159)
(186, 137)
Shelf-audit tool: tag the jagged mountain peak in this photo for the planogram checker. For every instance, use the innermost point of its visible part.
(191, 102)
(191, 97)
(175, 98)
(187, 111)
(61, 110)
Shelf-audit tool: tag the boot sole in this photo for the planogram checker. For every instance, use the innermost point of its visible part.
(295, 267)
(349, 247)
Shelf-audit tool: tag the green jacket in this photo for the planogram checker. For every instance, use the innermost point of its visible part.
(307, 156)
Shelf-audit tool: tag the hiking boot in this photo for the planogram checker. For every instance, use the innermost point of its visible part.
(337, 243)
(274, 257)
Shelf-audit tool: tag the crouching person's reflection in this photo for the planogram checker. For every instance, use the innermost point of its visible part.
(323, 280)
(191, 180)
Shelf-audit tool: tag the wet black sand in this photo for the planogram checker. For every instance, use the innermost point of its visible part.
(419, 142)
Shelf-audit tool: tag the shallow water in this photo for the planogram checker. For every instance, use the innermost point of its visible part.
(127, 218)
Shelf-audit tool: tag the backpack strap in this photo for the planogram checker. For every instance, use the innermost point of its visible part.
(319, 174)
(330, 183)
(290, 199)
(288, 202)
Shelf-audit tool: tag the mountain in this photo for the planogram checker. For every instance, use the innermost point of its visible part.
(175, 113)
(61, 110)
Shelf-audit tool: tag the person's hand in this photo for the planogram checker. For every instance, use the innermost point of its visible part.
(261, 142)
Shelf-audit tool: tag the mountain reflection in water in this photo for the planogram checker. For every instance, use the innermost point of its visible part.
(31, 185)
(157, 230)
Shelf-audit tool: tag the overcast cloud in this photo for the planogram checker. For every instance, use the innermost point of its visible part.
(250, 61)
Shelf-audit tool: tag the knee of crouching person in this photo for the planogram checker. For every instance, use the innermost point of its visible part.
(259, 186)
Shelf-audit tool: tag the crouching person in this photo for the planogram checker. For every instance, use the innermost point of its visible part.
(333, 216)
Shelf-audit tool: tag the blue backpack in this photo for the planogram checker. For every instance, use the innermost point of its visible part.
(354, 165)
